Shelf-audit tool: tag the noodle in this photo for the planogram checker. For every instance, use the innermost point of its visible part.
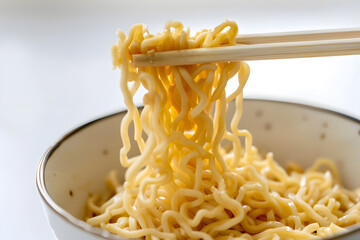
(185, 184)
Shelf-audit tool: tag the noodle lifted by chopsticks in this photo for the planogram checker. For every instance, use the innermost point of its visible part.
(185, 184)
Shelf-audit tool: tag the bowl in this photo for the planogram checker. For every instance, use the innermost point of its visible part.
(76, 166)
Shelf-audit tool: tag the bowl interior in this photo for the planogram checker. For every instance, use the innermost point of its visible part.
(78, 164)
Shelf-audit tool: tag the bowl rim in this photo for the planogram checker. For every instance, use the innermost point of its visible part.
(80, 224)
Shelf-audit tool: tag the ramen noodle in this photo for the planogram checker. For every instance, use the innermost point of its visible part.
(185, 184)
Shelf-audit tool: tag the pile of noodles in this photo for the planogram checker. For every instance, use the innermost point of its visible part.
(184, 184)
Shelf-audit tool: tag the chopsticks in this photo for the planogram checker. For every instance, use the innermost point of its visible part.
(299, 36)
(318, 43)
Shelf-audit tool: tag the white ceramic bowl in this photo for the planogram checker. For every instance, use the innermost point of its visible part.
(78, 163)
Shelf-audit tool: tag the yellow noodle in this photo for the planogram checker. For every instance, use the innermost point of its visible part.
(186, 184)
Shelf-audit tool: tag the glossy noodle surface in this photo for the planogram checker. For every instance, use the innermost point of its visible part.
(197, 179)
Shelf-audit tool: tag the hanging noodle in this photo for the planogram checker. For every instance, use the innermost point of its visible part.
(184, 184)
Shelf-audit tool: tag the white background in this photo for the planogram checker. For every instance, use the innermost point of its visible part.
(56, 73)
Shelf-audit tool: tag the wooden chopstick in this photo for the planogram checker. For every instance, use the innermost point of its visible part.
(263, 47)
(299, 36)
